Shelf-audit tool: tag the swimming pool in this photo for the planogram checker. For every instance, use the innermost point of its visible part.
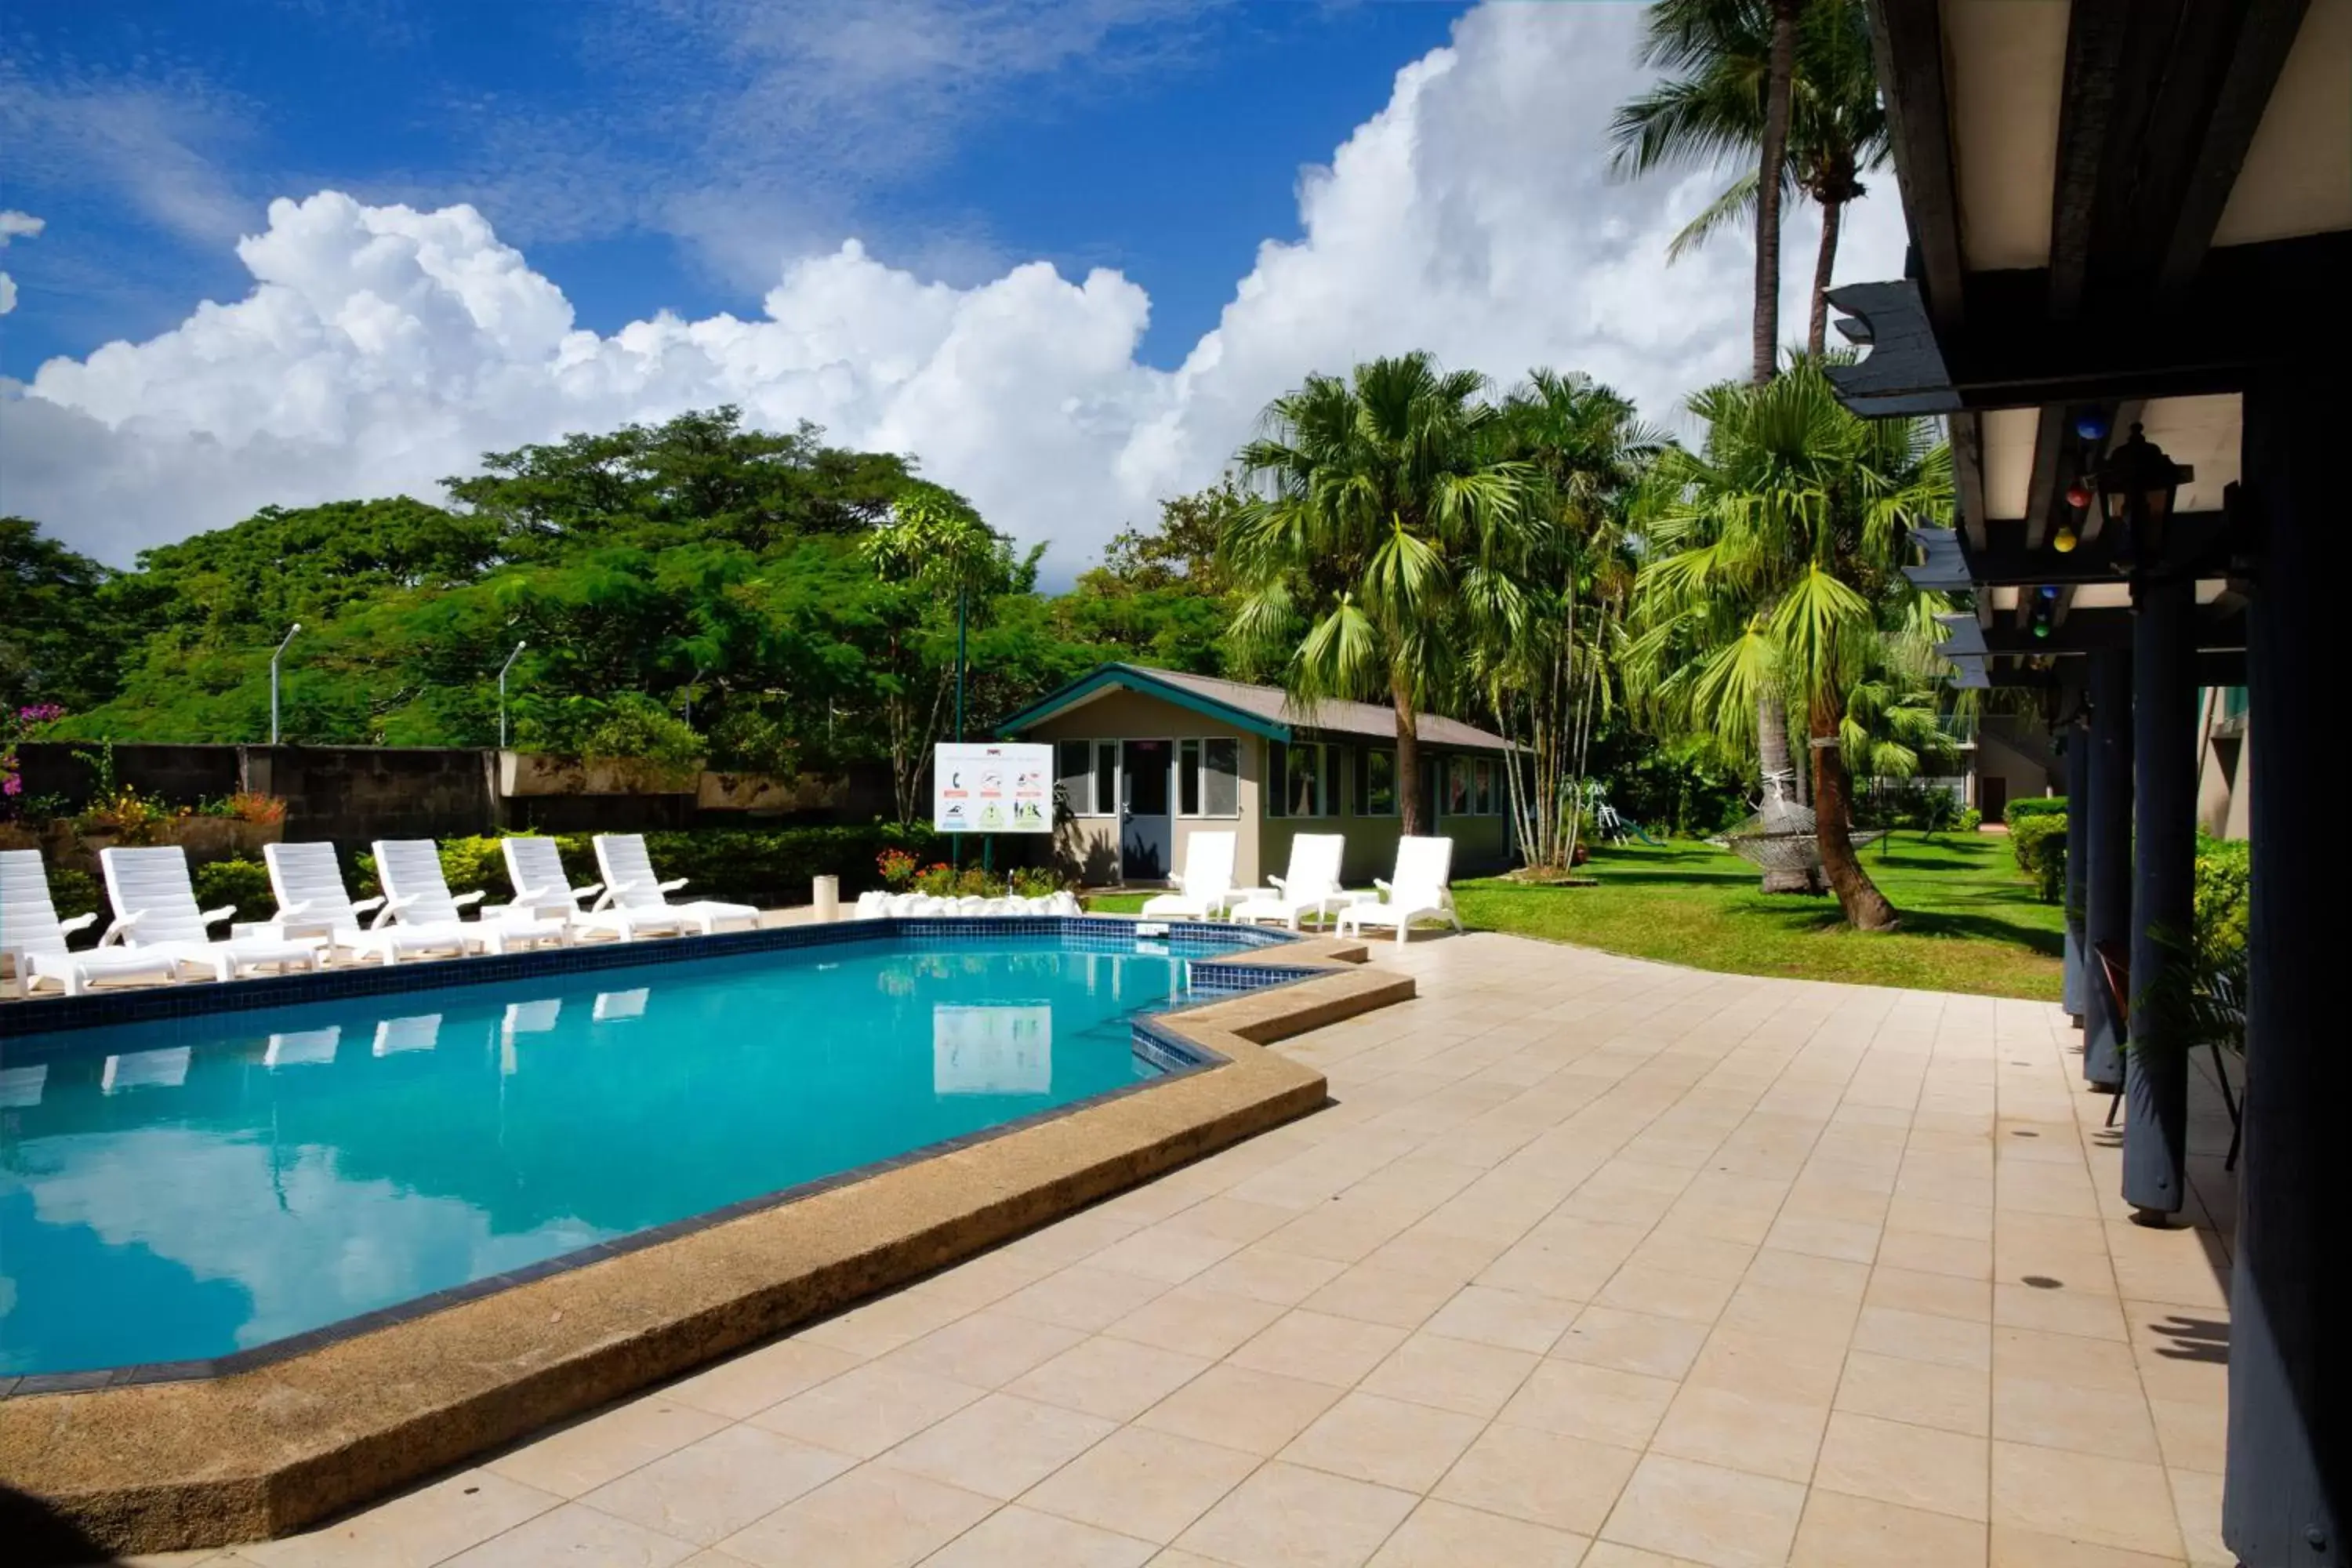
(183, 1189)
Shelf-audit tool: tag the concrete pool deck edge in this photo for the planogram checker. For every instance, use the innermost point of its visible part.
(168, 1465)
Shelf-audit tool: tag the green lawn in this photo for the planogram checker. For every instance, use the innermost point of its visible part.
(1971, 921)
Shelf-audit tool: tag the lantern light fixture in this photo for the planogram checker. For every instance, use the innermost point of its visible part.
(2065, 539)
(2078, 495)
(2136, 489)
(2091, 425)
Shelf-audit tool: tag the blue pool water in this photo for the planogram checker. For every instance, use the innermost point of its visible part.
(188, 1188)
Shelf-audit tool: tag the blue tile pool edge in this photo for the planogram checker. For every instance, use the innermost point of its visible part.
(1176, 1056)
(47, 1015)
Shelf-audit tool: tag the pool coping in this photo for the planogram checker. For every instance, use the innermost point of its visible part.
(187, 1455)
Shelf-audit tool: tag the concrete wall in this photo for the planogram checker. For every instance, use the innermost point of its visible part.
(2225, 761)
(2016, 751)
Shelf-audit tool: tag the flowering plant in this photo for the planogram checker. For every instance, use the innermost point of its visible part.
(18, 726)
(897, 867)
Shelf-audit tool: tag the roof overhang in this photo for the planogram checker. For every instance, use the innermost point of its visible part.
(1133, 678)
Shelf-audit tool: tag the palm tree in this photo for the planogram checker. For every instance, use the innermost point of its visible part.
(1776, 578)
(1387, 538)
(935, 549)
(1837, 133)
(1731, 66)
(1589, 451)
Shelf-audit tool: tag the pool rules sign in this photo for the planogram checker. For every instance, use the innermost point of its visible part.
(977, 788)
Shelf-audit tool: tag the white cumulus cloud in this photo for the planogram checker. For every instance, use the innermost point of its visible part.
(13, 225)
(381, 348)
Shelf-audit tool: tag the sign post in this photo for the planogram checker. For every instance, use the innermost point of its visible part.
(988, 788)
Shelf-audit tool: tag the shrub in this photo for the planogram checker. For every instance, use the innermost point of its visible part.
(1034, 882)
(897, 867)
(2224, 868)
(2035, 805)
(245, 805)
(2038, 842)
(239, 882)
(73, 892)
(1969, 820)
(767, 867)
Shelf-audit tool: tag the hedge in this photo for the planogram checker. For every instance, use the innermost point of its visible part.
(2035, 805)
(768, 869)
(2038, 842)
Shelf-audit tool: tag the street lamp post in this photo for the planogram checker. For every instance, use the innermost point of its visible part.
(519, 644)
(273, 679)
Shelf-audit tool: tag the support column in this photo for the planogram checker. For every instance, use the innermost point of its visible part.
(2076, 741)
(2290, 1453)
(2107, 852)
(2164, 878)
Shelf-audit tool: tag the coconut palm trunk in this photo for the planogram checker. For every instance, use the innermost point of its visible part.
(1865, 908)
(1824, 264)
(1411, 809)
(1781, 71)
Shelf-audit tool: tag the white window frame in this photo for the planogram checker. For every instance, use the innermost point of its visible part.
(1278, 788)
(1200, 745)
(1363, 804)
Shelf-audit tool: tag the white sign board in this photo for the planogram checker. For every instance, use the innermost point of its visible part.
(992, 1048)
(978, 786)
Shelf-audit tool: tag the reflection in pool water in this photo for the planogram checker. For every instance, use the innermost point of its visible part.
(187, 1188)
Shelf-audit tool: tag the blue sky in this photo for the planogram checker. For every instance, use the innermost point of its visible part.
(649, 156)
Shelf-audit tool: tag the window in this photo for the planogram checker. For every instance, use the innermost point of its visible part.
(1188, 778)
(1074, 776)
(1376, 793)
(1208, 777)
(1106, 803)
(1484, 776)
(1295, 779)
(1457, 786)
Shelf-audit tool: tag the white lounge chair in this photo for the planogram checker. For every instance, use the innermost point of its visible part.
(1205, 885)
(416, 893)
(155, 913)
(630, 884)
(1312, 885)
(1423, 868)
(312, 900)
(33, 940)
(535, 867)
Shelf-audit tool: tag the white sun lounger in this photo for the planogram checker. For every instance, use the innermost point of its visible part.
(416, 893)
(155, 913)
(1205, 885)
(630, 885)
(312, 897)
(1312, 885)
(33, 940)
(1424, 867)
(535, 867)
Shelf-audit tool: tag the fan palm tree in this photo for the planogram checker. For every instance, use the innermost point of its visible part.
(1730, 70)
(1776, 579)
(1387, 536)
(1837, 133)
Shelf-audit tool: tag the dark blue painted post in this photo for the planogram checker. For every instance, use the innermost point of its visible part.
(2290, 1454)
(2164, 878)
(2076, 741)
(2107, 845)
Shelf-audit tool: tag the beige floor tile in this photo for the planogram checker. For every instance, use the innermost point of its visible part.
(1852, 1241)
(999, 1447)
(2064, 1358)
(1809, 1275)
(1142, 1482)
(1566, 1483)
(1384, 1440)
(1021, 1538)
(1929, 1217)
(1772, 1311)
(1196, 1322)
(1742, 1432)
(1232, 1220)
(1082, 1297)
(573, 1534)
(1893, 1461)
(2192, 1434)
(1438, 1254)
(584, 1455)
(420, 1527)
(1953, 1398)
(2082, 1497)
(1318, 1346)
(987, 1349)
(1597, 1402)
(1443, 1535)
(2180, 1267)
(1614, 1554)
(1662, 1292)
(1841, 1532)
(1285, 1516)
(1692, 1252)
(2115, 1423)
(1460, 1376)
(1375, 1295)
(1632, 1342)
(1938, 1295)
(866, 1410)
(751, 1382)
(1264, 1274)
(2197, 1506)
(1769, 1366)
(873, 1517)
(1116, 1379)
(1161, 1252)
(2075, 1313)
(1930, 1252)
(1726, 1518)
(2013, 1548)
(1256, 1412)
(883, 1323)
(707, 1491)
(1924, 1336)
(1515, 1320)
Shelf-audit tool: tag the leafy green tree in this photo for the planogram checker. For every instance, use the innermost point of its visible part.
(1390, 539)
(1776, 578)
(60, 638)
(1161, 595)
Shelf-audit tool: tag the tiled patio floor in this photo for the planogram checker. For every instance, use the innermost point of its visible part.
(1594, 1262)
